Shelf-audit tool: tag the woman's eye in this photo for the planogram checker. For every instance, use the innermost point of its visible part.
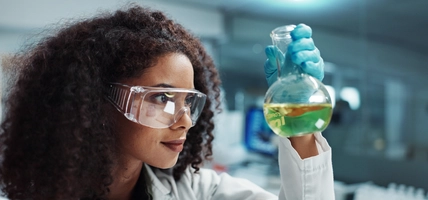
(189, 99)
(162, 98)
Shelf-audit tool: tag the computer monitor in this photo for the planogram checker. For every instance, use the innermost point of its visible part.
(258, 135)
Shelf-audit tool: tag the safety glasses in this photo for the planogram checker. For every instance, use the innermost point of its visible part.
(156, 107)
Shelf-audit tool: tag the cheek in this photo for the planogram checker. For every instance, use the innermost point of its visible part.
(135, 140)
(129, 133)
(151, 111)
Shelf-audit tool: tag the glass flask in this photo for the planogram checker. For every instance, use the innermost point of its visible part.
(296, 103)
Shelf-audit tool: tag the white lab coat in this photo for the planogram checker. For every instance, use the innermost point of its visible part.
(308, 179)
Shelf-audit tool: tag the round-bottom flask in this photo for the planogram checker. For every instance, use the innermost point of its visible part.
(297, 103)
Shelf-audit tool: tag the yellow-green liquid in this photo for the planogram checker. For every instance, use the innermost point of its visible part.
(289, 120)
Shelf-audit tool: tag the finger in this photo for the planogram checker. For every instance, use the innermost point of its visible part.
(301, 31)
(301, 44)
(269, 68)
(274, 57)
(305, 56)
(314, 69)
(270, 52)
(271, 75)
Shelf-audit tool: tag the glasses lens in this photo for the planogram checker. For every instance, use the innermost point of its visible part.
(162, 108)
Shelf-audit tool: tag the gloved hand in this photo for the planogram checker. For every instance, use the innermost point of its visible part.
(303, 53)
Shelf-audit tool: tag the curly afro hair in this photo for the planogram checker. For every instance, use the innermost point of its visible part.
(57, 140)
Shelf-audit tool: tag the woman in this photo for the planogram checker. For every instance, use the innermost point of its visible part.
(120, 107)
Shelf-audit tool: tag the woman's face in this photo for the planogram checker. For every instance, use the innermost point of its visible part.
(157, 147)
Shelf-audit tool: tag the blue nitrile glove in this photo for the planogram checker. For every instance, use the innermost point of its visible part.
(303, 53)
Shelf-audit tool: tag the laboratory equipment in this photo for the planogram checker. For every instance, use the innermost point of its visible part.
(296, 103)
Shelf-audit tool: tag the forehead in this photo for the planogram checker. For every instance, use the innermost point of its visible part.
(172, 69)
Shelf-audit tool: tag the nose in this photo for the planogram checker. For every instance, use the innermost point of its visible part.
(182, 119)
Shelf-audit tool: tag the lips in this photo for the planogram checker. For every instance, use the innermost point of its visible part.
(174, 145)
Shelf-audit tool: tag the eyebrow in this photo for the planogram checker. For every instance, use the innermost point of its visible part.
(163, 85)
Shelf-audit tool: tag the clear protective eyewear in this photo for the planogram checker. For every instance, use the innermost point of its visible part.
(156, 107)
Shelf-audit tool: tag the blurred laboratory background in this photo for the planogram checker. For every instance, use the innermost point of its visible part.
(376, 68)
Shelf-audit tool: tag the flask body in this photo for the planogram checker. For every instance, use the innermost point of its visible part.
(297, 103)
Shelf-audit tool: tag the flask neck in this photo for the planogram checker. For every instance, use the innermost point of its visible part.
(288, 67)
(281, 39)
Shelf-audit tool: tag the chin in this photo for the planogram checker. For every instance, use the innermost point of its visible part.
(169, 167)
(164, 165)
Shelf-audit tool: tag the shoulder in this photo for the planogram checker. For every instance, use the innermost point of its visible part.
(191, 185)
(203, 174)
(189, 175)
(206, 184)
